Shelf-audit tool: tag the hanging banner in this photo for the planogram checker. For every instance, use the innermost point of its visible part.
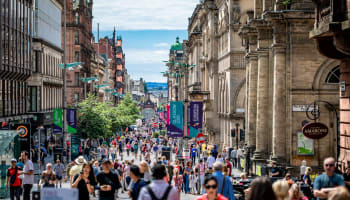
(167, 114)
(72, 121)
(161, 115)
(175, 127)
(57, 120)
(195, 118)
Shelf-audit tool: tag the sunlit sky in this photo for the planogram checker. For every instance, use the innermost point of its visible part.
(148, 28)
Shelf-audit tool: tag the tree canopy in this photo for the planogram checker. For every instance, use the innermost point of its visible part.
(102, 119)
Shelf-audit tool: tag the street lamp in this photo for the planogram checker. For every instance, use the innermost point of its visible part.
(64, 66)
(237, 131)
(88, 80)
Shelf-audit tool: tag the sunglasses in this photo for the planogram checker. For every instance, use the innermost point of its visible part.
(210, 186)
(329, 165)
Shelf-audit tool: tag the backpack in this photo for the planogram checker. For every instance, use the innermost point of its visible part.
(137, 188)
(165, 195)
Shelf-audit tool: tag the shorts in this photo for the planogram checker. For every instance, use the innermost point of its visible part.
(59, 177)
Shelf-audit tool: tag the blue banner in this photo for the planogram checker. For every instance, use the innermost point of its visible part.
(72, 120)
(175, 128)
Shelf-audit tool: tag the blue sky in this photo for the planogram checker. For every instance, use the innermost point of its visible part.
(148, 29)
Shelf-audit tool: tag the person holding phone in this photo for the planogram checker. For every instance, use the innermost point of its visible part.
(85, 182)
(109, 181)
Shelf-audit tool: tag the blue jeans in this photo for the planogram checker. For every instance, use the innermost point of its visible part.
(187, 184)
(127, 179)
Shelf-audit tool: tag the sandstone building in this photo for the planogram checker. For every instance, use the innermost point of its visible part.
(257, 71)
(331, 33)
(78, 47)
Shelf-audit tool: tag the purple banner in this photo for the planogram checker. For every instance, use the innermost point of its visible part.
(195, 118)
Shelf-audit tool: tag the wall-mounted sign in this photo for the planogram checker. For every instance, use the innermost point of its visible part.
(305, 146)
(315, 130)
(303, 107)
(342, 86)
(22, 131)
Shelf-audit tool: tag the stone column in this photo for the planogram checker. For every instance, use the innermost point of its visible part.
(279, 103)
(252, 99)
(279, 91)
(262, 103)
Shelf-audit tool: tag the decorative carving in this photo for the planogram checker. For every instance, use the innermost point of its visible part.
(236, 15)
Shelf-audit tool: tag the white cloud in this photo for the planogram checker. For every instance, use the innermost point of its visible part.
(144, 56)
(143, 14)
(162, 44)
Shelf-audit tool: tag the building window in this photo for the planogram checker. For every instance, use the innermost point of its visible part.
(76, 76)
(76, 37)
(334, 75)
(77, 56)
(77, 18)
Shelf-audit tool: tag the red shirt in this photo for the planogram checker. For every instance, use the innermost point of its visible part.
(229, 168)
(10, 172)
(204, 197)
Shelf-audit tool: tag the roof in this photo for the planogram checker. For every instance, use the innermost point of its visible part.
(177, 46)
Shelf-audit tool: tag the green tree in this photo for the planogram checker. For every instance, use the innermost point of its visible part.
(92, 121)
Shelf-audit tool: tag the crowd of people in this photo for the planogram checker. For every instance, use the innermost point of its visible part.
(143, 168)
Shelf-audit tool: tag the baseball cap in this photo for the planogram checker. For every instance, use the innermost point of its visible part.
(13, 160)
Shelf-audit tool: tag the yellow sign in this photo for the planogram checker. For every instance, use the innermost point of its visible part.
(22, 131)
(258, 170)
(242, 163)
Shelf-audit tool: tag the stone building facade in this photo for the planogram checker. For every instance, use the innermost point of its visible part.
(285, 74)
(78, 47)
(331, 33)
(218, 77)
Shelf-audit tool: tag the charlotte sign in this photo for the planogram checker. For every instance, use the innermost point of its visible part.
(315, 130)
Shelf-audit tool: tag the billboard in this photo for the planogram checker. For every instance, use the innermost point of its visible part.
(175, 127)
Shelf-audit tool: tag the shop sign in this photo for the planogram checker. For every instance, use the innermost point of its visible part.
(305, 144)
(315, 130)
(303, 108)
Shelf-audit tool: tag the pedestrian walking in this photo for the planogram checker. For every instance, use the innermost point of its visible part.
(258, 185)
(28, 177)
(58, 168)
(159, 189)
(224, 182)
(137, 184)
(108, 181)
(85, 182)
(327, 182)
(76, 169)
(211, 188)
(234, 157)
(48, 177)
(13, 181)
(177, 180)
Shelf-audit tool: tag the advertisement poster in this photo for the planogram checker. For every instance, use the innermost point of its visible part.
(195, 118)
(57, 120)
(176, 119)
(305, 145)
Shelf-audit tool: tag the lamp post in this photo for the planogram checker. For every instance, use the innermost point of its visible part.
(237, 132)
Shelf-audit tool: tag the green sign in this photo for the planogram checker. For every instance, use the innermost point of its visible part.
(305, 145)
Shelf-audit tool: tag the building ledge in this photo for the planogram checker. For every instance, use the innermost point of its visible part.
(15, 118)
(325, 30)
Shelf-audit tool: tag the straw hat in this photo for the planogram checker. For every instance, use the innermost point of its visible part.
(80, 160)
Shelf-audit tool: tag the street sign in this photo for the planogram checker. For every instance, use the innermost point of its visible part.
(200, 138)
(315, 130)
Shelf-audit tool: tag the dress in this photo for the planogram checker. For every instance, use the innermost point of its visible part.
(193, 181)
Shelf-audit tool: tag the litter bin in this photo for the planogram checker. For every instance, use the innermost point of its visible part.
(166, 152)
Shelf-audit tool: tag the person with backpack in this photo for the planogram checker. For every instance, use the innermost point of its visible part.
(224, 186)
(137, 184)
(14, 181)
(159, 189)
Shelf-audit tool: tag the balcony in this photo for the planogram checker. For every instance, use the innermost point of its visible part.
(332, 28)
(196, 92)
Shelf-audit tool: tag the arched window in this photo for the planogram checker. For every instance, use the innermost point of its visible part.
(334, 75)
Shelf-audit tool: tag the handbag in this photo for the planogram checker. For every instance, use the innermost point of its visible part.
(13, 177)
